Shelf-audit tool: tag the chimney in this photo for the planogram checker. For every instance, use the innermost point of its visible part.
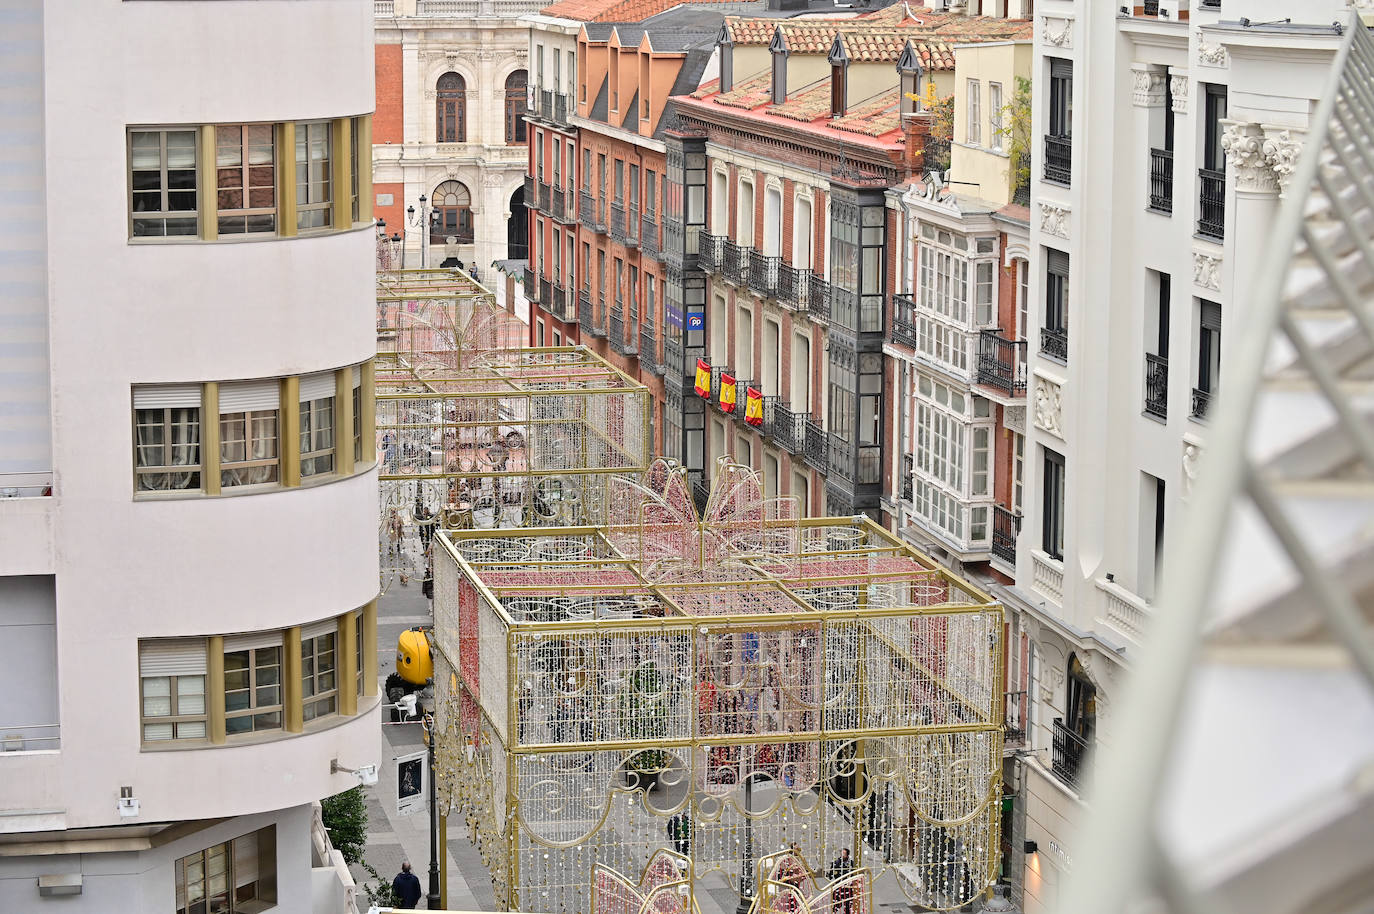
(915, 129)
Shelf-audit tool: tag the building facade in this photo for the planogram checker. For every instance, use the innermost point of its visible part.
(189, 566)
(449, 137)
(1165, 135)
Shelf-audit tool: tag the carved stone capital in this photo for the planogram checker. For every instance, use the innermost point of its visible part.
(1049, 406)
(1244, 147)
(1058, 32)
(1281, 151)
(1206, 270)
(1178, 88)
(1054, 220)
(1148, 91)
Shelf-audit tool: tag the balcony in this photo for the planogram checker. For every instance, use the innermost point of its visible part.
(792, 285)
(904, 320)
(556, 204)
(1002, 363)
(1058, 159)
(1006, 525)
(710, 252)
(908, 477)
(1162, 180)
(936, 155)
(734, 263)
(619, 233)
(863, 468)
(648, 349)
(545, 294)
(632, 223)
(1015, 714)
(742, 386)
(587, 212)
(531, 285)
(717, 384)
(615, 332)
(1054, 344)
(560, 109)
(383, 7)
(763, 273)
(674, 363)
(788, 428)
(1069, 750)
(531, 198)
(1211, 203)
(648, 234)
(817, 297)
(562, 307)
(817, 448)
(586, 314)
(1156, 385)
(1202, 402)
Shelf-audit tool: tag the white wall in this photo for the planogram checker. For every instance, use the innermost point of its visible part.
(28, 663)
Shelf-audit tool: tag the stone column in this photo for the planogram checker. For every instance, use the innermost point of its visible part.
(1148, 98)
(1251, 218)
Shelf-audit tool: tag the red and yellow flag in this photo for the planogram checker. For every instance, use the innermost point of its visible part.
(753, 406)
(727, 392)
(703, 385)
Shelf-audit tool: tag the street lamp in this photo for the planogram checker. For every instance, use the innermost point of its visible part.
(432, 898)
(422, 220)
(746, 872)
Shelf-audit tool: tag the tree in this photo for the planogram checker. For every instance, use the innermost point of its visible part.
(1016, 132)
(345, 818)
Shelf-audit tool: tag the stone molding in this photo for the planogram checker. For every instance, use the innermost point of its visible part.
(1282, 151)
(1206, 271)
(1148, 91)
(1054, 220)
(1058, 32)
(1178, 88)
(1049, 406)
(1243, 144)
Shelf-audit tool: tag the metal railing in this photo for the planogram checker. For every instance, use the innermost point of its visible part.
(710, 252)
(818, 297)
(1058, 159)
(1202, 402)
(904, 320)
(648, 349)
(648, 234)
(545, 204)
(587, 212)
(717, 384)
(936, 155)
(26, 485)
(1002, 362)
(763, 273)
(817, 447)
(545, 293)
(1054, 344)
(674, 361)
(735, 263)
(556, 203)
(615, 330)
(1156, 385)
(632, 224)
(546, 104)
(531, 198)
(585, 316)
(562, 307)
(792, 285)
(1211, 203)
(1006, 525)
(1015, 714)
(618, 232)
(908, 477)
(29, 738)
(531, 284)
(1068, 750)
(1162, 180)
(788, 428)
(560, 109)
(742, 386)
(1150, 7)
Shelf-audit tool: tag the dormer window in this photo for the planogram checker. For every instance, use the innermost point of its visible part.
(725, 50)
(911, 75)
(778, 48)
(839, 76)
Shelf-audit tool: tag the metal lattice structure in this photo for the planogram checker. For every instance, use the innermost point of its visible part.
(1245, 784)
(475, 432)
(722, 686)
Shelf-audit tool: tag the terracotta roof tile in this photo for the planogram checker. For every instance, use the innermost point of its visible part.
(880, 36)
(613, 10)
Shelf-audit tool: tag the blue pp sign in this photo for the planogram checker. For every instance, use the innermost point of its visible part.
(696, 322)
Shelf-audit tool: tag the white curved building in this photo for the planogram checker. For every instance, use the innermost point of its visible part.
(188, 558)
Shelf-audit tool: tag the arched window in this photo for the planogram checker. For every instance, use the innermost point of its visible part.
(515, 106)
(453, 214)
(450, 109)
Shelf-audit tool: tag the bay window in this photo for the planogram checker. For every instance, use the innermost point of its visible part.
(953, 463)
(246, 179)
(313, 191)
(162, 186)
(235, 877)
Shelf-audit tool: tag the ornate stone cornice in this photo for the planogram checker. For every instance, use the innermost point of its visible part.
(1243, 144)
(1148, 91)
(1178, 88)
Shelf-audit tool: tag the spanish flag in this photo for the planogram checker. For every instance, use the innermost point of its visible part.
(727, 393)
(703, 386)
(753, 406)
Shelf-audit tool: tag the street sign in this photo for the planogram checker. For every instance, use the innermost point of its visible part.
(411, 771)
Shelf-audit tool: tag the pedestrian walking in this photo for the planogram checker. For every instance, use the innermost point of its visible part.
(844, 895)
(406, 888)
(680, 833)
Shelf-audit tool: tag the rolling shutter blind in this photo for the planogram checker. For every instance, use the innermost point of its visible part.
(357, 376)
(315, 629)
(1211, 315)
(317, 386)
(249, 395)
(184, 657)
(252, 640)
(1058, 262)
(245, 860)
(164, 396)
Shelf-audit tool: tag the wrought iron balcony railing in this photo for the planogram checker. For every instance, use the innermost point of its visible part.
(1069, 750)
(531, 284)
(818, 297)
(531, 198)
(792, 285)
(1058, 159)
(1156, 385)
(1162, 180)
(936, 155)
(560, 109)
(648, 349)
(545, 293)
(545, 204)
(717, 385)
(770, 414)
(817, 447)
(546, 104)
(908, 480)
(1002, 362)
(1211, 203)
(1202, 402)
(763, 273)
(1054, 344)
(632, 224)
(621, 341)
(710, 252)
(904, 320)
(1015, 714)
(587, 212)
(735, 263)
(648, 234)
(742, 397)
(556, 204)
(618, 223)
(563, 307)
(1005, 527)
(788, 428)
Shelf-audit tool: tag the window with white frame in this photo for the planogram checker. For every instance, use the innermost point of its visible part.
(984, 293)
(944, 274)
(995, 116)
(236, 877)
(253, 682)
(248, 418)
(975, 117)
(319, 681)
(953, 462)
(317, 424)
(172, 689)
